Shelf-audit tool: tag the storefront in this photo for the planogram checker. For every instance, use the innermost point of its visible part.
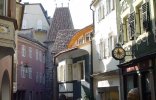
(138, 74)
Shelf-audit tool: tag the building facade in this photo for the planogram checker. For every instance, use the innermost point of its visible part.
(33, 21)
(30, 68)
(73, 66)
(8, 25)
(35, 17)
(136, 28)
(105, 75)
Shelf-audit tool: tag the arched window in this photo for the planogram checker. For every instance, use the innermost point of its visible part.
(3, 7)
(39, 24)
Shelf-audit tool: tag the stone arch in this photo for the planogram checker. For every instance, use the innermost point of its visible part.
(5, 87)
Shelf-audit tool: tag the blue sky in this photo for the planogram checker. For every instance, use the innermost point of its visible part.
(80, 10)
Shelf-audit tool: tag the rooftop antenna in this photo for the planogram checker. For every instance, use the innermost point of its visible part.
(62, 3)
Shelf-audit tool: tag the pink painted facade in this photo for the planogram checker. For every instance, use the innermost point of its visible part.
(30, 69)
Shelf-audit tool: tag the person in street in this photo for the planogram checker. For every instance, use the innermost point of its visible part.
(133, 94)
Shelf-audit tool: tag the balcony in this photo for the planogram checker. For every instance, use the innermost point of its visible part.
(7, 34)
(71, 89)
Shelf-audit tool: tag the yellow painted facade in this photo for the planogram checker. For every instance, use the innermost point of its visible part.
(81, 34)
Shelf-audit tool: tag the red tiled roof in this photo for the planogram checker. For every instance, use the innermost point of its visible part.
(61, 20)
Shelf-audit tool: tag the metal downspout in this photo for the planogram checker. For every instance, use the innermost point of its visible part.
(91, 70)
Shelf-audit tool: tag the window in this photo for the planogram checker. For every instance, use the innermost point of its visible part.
(106, 49)
(40, 55)
(3, 7)
(101, 49)
(143, 17)
(30, 72)
(61, 73)
(110, 44)
(112, 4)
(131, 25)
(22, 72)
(109, 4)
(36, 54)
(81, 70)
(81, 40)
(24, 24)
(23, 51)
(139, 21)
(100, 12)
(37, 77)
(121, 37)
(87, 37)
(39, 24)
(126, 29)
(106, 46)
(78, 70)
(30, 52)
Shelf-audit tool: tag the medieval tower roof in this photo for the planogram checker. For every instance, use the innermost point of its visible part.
(61, 20)
(62, 39)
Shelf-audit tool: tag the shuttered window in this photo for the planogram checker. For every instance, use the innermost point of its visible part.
(131, 25)
(126, 29)
(145, 16)
(3, 7)
(121, 34)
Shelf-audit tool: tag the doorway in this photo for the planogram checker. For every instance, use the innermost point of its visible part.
(5, 86)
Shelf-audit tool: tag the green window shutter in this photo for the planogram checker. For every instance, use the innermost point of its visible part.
(131, 21)
(145, 16)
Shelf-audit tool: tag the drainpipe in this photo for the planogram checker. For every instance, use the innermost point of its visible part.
(55, 83)
(91, 70)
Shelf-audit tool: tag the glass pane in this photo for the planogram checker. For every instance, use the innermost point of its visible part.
(130, 83)
(1, 7)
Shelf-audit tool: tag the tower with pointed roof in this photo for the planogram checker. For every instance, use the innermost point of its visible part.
(61, 24)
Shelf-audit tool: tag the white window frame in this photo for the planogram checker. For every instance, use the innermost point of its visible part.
(37, 54)
(87, 36)
(23, 50)
(23, 72)
(30, 72)
(30, 52)
(83, 62)
(4, 9)
(81, 40)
